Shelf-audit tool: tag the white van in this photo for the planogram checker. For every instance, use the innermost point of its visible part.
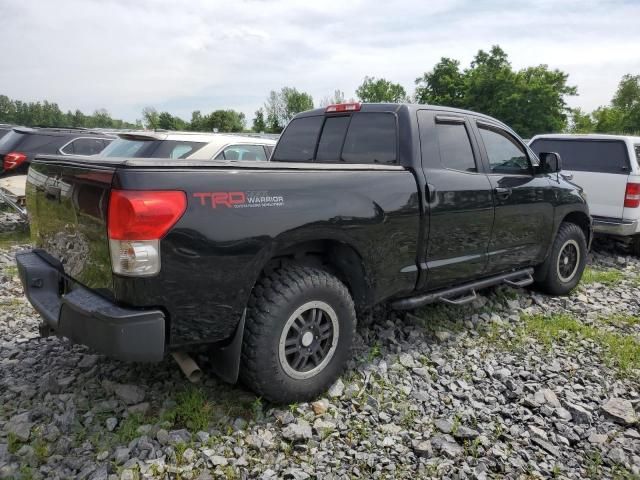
(606, 166)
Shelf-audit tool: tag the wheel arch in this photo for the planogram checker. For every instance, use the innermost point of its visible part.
(581, 219)
(337, 257)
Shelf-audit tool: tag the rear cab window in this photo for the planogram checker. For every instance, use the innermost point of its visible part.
(587, 155)
(361, 137)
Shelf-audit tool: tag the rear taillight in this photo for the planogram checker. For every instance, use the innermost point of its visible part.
(343, 107)
(632, 195)
(136, 221)
(13, 160)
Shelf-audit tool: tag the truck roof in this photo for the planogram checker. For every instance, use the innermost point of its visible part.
(412, 107)
(587, 136)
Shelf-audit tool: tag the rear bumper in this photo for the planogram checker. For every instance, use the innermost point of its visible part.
(86, 317)
(614, 226)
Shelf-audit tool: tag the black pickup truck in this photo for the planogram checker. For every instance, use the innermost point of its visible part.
(266, 264)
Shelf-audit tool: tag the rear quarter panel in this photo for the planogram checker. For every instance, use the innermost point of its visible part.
(213, 256)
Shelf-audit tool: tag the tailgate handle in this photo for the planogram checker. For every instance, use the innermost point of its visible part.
(52, 193)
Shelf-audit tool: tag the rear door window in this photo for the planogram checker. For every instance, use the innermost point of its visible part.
(602, 156)
(455, 147)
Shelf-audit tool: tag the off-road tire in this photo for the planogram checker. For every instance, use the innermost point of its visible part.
(548, 277)
(274, 300)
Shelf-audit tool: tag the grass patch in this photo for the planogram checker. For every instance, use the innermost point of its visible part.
(13, 443)
(127, 430)
(621, 320)
(192, 410)
(18, 237)
(605, 277)
(620, 350)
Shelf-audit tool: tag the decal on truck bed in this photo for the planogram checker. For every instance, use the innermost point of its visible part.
(250, 199)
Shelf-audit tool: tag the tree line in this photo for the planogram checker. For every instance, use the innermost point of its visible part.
(531, 100)
(48, 114)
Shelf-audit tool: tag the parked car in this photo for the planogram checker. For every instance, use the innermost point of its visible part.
(606, 167)
(264, 264)
(20, 145)
(191, 145)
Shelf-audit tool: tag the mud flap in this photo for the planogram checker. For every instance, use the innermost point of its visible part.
(226, 360)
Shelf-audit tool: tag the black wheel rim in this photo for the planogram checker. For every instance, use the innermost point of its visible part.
(308, 340)
(568, 260)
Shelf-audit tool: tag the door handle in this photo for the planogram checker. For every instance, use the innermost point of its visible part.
(502, 192)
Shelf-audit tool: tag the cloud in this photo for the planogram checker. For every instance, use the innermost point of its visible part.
(201, 54)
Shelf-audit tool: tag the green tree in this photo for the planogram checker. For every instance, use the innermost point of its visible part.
(381, 90)
(101, 119)
(225, 121)
(530, 100)
(627, 101)
(197, 122)
(259, 125)
(150, 118)
(335, 99)
(609, 120)
(282, 106)
(581, 122)
(444, 85)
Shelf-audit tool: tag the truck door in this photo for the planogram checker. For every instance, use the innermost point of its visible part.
(460, 201)
(524, 213)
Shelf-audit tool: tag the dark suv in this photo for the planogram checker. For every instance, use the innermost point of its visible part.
(20, 145)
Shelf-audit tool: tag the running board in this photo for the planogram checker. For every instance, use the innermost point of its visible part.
(465, 293)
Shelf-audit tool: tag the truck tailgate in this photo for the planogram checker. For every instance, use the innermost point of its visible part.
(67, 204)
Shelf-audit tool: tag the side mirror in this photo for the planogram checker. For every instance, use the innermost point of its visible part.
(550, 162)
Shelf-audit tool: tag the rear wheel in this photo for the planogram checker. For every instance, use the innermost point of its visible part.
(562, 270)
(300, 327)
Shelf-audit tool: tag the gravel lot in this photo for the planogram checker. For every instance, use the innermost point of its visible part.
(518, 385)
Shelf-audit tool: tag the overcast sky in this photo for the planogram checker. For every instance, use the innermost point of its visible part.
(181, 56)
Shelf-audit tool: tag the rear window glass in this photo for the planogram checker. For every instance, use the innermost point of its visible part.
(151, 148)
(331, 139)
(10, 140)
(298, 142)
(361, 138)
(3, 132)
(637, 149)
(124, 148)
(176, 149)
(371, 139)
(603, 156)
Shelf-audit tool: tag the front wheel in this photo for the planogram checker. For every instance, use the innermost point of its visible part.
(562, 270)
(300, 327)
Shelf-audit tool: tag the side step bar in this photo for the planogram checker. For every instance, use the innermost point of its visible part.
(465, 293)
